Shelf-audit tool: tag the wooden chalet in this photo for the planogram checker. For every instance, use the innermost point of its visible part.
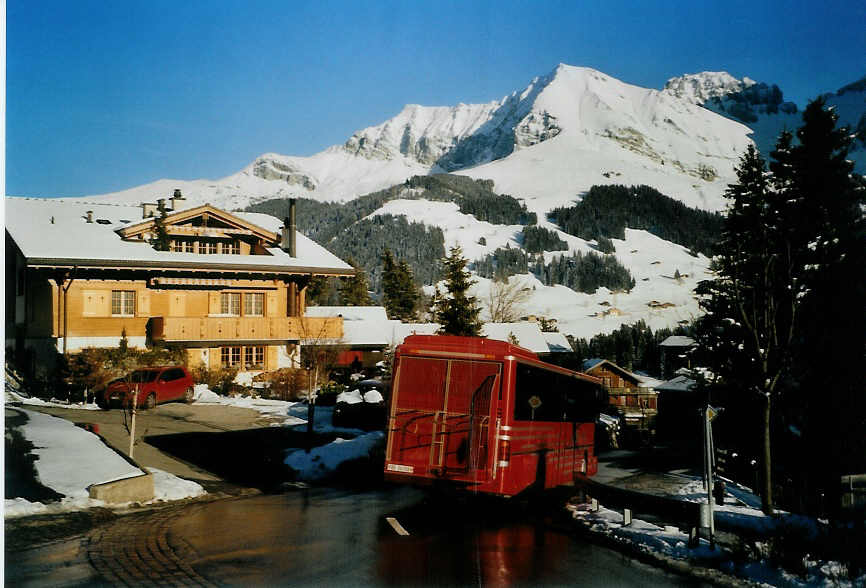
(230, 289)
(628, 393)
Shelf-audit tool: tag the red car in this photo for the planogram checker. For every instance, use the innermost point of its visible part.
(155, 385)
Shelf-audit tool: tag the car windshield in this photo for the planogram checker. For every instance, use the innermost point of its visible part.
(142, 376)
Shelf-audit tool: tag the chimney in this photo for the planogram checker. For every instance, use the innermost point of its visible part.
(177, 195)
(160, 204)
(147, 209)
(289, 240)
(90, 216)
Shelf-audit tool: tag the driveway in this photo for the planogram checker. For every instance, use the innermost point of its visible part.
(161, 422)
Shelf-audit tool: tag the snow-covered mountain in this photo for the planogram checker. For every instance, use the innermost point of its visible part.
(546, 145)
(563, 133)
(762, 107)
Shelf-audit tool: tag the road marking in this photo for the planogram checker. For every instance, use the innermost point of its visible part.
(395, 524)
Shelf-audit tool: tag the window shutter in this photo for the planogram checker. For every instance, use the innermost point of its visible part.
(271, 357)
(271, 304)
(96, 303)
(177, 304)
(143, 303)
(214, 303)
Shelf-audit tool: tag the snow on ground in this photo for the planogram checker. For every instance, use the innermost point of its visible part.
(458, 228)
(275, 409)
(323, 461)
(658, 298)
(71, 459)
(14, 396)
(670, 542)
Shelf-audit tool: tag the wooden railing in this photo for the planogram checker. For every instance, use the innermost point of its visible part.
(246, 328)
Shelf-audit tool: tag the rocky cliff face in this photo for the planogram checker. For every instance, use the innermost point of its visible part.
(269, 167)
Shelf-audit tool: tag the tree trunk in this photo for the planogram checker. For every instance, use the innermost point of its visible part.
(766, 464)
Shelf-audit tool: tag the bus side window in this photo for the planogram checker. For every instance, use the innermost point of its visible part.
(538, 395)
(582, 402)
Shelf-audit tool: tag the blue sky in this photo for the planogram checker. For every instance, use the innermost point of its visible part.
(103, 96)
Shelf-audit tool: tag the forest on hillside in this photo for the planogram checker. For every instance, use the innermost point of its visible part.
(580, 272)
(343, 229)
(606, 211)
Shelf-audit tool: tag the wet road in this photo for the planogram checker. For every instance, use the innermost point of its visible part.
(330, 537)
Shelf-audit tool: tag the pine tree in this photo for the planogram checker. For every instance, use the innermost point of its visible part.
(792, 241)
(354, 291)
(161, 241)
(399, 292)
(827, 228)
(455, 310)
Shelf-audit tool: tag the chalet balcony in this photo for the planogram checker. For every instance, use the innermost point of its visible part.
(246, 328)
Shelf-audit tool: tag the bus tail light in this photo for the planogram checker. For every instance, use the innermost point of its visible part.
(504, 453)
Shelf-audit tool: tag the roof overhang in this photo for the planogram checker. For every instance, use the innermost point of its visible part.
(182, 266)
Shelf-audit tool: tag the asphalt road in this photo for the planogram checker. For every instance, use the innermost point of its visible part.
(331, 537)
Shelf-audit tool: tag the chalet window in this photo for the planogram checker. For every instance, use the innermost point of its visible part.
(123, 302)
(182, 245)
(254, 357)
(207, 247)
(230, 356)
(230, 303)
(254, 304)
(232, 248)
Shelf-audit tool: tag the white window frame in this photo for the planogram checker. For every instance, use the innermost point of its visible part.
(254, 304)
(123, 301)
(230, 303)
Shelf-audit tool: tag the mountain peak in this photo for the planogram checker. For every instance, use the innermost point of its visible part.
(700, 87)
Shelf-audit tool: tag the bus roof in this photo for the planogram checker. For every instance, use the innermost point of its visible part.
(476, 348)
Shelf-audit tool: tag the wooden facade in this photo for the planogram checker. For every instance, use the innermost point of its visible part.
(637, 404)
(227, 290)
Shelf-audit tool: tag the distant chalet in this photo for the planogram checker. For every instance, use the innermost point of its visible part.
(230, 289)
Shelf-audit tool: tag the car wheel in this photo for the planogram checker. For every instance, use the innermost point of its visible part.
(150, 402)
(189, 395)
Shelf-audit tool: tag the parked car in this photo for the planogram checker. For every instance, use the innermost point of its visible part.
(363, 407)
(155, 385)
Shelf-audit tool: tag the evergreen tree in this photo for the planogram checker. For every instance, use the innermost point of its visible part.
(455, 310)
(354, 291)
(161, 241)
(399, 293)
(792, 241)
(826, 227)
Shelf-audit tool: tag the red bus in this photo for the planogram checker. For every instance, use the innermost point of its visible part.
(488, 416)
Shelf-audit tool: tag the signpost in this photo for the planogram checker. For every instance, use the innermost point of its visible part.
(707, 519)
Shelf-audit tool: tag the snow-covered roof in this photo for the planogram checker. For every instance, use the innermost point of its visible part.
(56, 232)
(677, 341)
(590, 364)
(403, 330)
(556, 342)
(349, 313)
(645, 381)
(677, 384)
(362, 333)
(528, 334)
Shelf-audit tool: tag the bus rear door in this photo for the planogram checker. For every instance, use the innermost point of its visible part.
(441, 417)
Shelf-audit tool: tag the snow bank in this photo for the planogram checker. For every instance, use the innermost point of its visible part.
(323, 461)
(70, 460)
(275, 409)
